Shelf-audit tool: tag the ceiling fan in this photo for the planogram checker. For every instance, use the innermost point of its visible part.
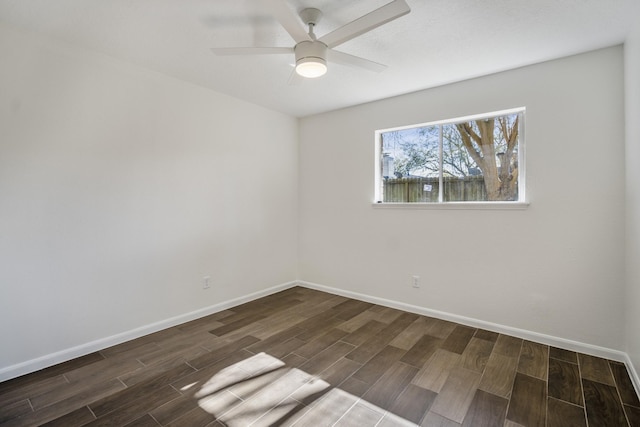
(312, 53)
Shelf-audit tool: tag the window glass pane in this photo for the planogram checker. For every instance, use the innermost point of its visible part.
(481, 160)
(410, 165)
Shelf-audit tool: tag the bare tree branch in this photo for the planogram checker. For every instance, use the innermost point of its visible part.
(466, 133)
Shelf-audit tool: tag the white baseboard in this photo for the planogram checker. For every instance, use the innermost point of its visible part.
(563, 343)
(48, 360)
(635, 379)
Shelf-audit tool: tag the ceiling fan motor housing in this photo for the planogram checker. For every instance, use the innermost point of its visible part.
(311, 58)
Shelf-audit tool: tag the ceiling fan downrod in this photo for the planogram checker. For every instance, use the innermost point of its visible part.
(311, 55)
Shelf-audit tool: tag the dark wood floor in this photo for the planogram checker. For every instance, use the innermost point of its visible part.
(307, 358)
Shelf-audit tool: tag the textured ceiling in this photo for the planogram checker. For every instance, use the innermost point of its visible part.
(439, 42)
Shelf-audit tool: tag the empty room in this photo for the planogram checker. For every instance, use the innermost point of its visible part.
(319, 213)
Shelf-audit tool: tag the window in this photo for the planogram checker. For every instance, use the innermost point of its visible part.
(469, 159)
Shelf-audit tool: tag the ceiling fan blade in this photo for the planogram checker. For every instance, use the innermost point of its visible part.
(368, 22)
(287, 18)
(222, 51)
(354, 61)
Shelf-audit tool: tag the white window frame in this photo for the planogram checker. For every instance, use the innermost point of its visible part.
(522, 203)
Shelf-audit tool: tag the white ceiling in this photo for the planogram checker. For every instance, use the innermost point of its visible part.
(439, 42)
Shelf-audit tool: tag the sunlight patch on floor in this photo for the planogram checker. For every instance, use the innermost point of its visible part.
(262, 391)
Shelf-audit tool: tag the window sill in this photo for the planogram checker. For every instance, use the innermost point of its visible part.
(455, 205)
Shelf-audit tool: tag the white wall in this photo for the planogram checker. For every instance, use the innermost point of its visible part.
(632, 91)
(556, 268)
(121, 188)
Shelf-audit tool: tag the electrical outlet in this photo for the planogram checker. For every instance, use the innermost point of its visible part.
(415, 281)
(206, 282)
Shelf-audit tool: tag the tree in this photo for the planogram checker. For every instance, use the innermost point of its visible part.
(415, 151)
(456, 161)
(493, 149)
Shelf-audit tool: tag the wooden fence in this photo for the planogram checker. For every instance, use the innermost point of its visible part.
(411, 190)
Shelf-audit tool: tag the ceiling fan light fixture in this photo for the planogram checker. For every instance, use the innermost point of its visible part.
(311, 59)
(311, 67)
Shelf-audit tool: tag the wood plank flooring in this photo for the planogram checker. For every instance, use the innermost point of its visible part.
(307, 358)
